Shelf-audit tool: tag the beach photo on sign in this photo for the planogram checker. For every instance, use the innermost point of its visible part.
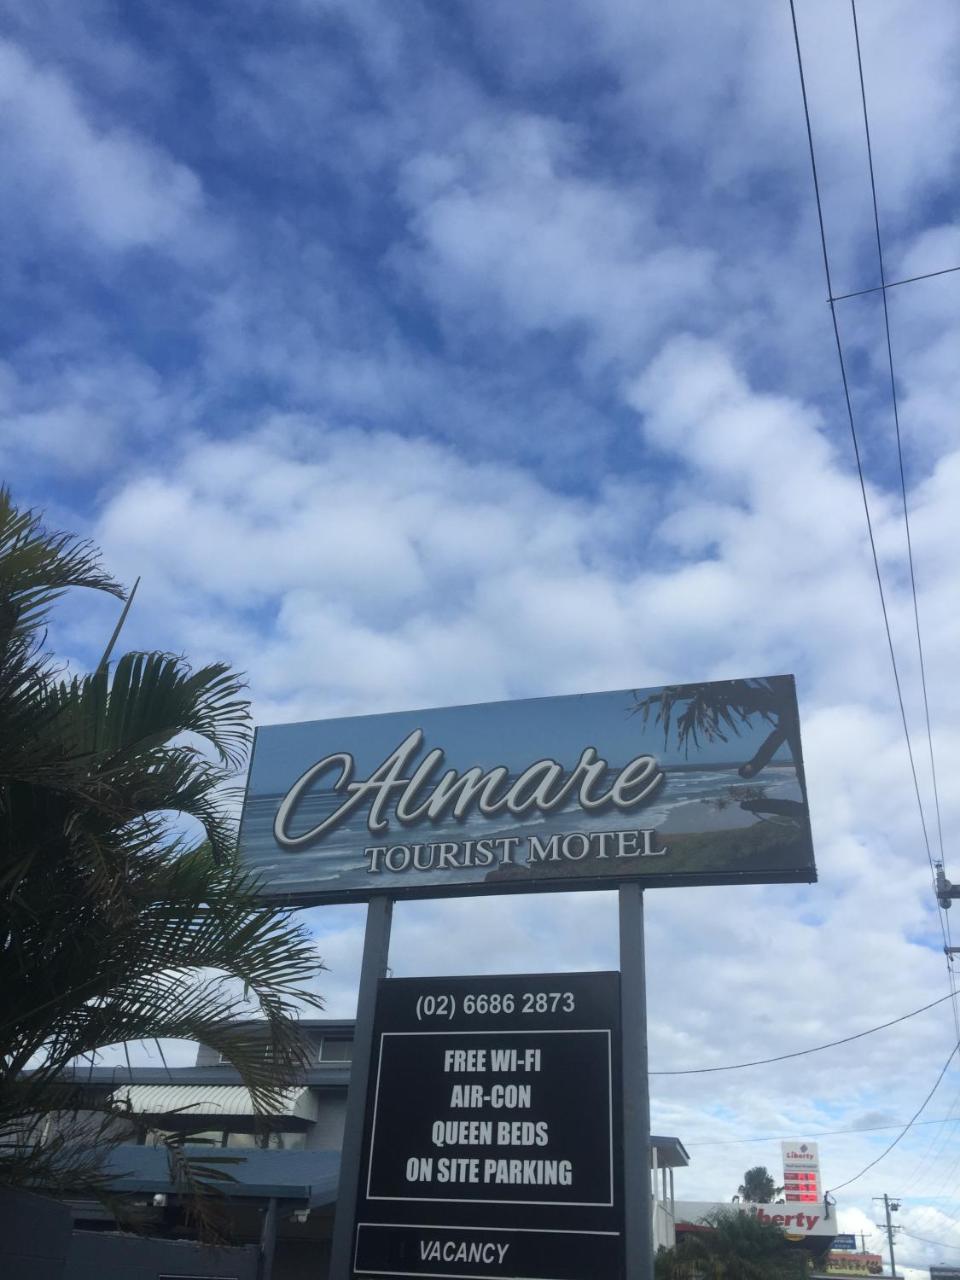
(696, 782)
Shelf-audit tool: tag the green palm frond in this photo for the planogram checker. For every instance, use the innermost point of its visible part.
(717, 710)
(115, 923)
(201, 1182)
(67, 1151)
(155, 696)
(37, 566)
(145, 702)
(190, 960)
(41, 1153)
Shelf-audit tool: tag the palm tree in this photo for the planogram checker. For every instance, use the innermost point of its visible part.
(721, 709)
(758, 1186)
(123, 913)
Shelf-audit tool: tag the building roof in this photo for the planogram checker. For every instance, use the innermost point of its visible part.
(310, 1177)
(671, 1153)
(330, 1075)
(210, 1100)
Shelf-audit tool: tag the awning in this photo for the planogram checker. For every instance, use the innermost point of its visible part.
(189, 1101)
(671, 1153)
(309, 1177)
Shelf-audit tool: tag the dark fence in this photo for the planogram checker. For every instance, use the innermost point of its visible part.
(35, 1235)
(37, 1242)
(97, 1255)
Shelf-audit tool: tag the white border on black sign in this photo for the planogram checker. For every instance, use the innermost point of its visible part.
(442, 1275)
(531, 1031)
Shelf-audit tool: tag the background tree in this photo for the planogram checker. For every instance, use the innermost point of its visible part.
(758, 1187)
(115, 925)
(737, 1246)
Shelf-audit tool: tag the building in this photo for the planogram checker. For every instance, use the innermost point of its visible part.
(666, 1154)
(849, 1262)
(283, 1169)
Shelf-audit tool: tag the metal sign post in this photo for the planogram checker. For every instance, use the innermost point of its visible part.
(636, 1089)
(373, 967)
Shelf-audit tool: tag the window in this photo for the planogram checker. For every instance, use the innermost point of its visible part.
(332, 1049)
(241, 1140)
(273, 1140)
(336, 1049)
(208, 1137)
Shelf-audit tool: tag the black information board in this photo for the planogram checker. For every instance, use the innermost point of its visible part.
(492, 1133)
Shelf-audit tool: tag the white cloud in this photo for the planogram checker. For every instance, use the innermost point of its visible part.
(351, 571)
(102, 180)
(508, 220)
(430, 562)
(594, 248)
(81, 409)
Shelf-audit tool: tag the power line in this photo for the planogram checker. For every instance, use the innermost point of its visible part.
(866, 508)
(903, 492)
(799, 1053)
(816, 1133)
(942, 1178)
(893, 284)
(942, 1244)
(935, 1146)
(906, 1128)
(856, 445)
(896, 422)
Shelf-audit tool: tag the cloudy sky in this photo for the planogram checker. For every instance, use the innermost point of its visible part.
(434, 353)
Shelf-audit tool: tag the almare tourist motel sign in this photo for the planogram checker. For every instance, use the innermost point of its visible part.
(683, 784)
(492, 1138)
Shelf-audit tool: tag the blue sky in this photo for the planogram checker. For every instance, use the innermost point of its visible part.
(424, 354)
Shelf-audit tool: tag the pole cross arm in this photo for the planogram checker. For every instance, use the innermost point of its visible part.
(946, 891)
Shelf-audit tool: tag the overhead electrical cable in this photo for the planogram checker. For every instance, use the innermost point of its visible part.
(941, 1244)
(948, 941)
(935, 1148)
(944, 1179)
(815, 1133)
(894, 284)
(896, 423)
(856, 445)
(904, 1131)
(942, 1218)
(799, 1053)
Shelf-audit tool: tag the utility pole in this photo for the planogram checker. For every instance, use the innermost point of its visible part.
(890, 1206)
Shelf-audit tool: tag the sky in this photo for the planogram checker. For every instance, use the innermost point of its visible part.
(425, 354)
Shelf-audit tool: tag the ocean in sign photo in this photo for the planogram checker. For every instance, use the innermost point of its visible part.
(701, 783)
(692, 800)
